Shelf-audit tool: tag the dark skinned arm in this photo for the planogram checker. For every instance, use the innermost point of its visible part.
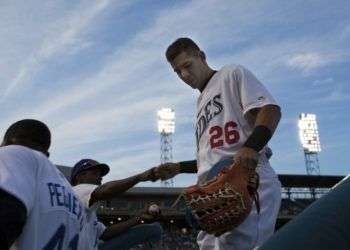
(119, 228)
(122, 227)
(267, 116)
(169, 170)
(113, 188)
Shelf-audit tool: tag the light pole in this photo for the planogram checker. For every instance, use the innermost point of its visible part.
(166, 127)
(310, 142)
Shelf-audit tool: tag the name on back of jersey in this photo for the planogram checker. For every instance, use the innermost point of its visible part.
(62, 199)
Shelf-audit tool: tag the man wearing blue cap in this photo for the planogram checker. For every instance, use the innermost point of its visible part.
(86, 180)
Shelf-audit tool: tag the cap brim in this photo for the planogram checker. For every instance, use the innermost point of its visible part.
(104, 168)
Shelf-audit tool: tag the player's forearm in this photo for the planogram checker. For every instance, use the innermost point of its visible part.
(189, 167)
(113, 188)
(119, 228)
(268, 116)
(265, 124)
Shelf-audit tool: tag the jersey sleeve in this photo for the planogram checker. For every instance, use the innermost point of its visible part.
(18, 171)
(100, 229)
(251, 91)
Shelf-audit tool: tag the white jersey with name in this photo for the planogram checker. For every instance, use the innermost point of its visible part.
(222, 129)
(221, 125)
(55, 216)
(93, 229)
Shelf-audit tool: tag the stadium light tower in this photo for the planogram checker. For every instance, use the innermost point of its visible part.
(166, 127)
(310, 141)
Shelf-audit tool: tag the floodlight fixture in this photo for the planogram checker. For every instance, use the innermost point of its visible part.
(308, 133)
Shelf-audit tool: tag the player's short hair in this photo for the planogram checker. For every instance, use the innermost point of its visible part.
(28, 132)
(182, 44)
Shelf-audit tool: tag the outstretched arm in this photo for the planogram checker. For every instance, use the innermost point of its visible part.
(169, 170)
(121, 227)
(110, 189)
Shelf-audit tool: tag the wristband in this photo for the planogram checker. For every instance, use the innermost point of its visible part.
(259, 138)
(188, 166)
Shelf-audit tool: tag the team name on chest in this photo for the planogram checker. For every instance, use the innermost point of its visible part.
(207, 112)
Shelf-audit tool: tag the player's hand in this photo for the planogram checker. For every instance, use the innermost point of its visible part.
(148, 175)
(149, 218)
(167, 170)
(247, 157)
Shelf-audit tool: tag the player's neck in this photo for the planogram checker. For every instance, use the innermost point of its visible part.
(210, 74)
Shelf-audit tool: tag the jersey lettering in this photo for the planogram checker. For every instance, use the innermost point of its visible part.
(211, 109)
(231, 134)
(56, 241)
(59, 197)
(217, 104)
(215, 138)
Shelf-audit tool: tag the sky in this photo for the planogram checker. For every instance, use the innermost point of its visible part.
(96, 74)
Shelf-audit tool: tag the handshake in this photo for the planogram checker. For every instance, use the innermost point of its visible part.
(162, 172)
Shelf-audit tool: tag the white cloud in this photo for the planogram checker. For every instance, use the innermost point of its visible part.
(96, 125)
(306, 61)
(312, 61)
(61, 37)
(325, 81)
(334, 96)
(70, 28)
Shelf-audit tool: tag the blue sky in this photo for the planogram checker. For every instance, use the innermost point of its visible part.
(95, 72)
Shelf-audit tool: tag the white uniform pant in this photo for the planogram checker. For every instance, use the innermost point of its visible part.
(257, 228)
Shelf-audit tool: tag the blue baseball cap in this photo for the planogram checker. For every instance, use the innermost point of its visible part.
(86, 164)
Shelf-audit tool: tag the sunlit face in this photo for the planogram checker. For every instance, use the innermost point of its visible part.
(90, 176)
(192, 69)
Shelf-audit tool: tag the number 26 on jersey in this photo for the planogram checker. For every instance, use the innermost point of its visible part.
(227, 134)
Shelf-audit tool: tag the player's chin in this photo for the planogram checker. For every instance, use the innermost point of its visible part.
(193, 86)
(190, 83)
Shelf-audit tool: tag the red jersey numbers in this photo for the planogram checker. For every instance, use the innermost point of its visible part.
(220, 135)
(231, 134)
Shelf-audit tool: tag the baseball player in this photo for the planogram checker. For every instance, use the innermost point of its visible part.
(38, 208)
(236, 117)
(86, 179)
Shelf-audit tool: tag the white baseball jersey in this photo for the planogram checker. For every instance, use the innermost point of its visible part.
(221, 128)
(93, 229)
(55, 216)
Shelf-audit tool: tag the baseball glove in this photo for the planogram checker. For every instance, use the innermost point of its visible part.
(225, 202)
